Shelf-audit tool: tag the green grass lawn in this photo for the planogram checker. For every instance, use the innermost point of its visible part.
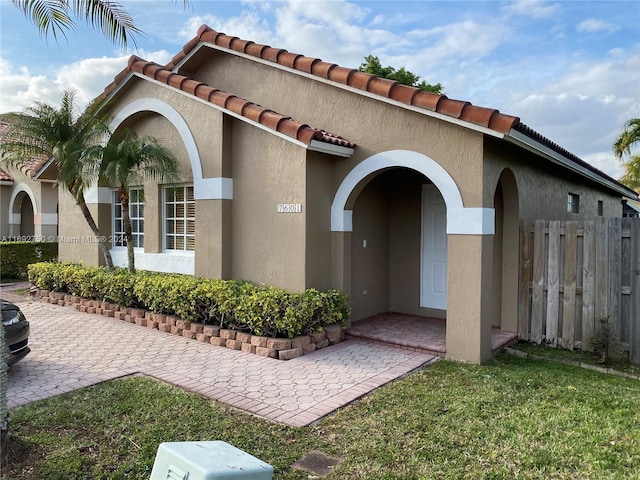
(515, 418)
(616, 362)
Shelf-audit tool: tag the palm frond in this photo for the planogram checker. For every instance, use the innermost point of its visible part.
(629, 137)
(110, 17)
(128, 160)
(631, 177)
(50, 16)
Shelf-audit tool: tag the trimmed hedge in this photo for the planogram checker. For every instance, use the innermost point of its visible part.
(235, 304)
(15, 257)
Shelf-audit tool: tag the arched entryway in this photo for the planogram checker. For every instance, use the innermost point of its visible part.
(505, 253)
(27, 225)
(368, 204)
(399, 246)
(23, 208)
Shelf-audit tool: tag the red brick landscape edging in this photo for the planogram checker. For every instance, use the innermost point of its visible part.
(278, 348)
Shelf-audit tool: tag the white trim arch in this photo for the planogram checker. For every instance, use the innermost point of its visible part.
(461, 220)
(22, 188)
(204, 188)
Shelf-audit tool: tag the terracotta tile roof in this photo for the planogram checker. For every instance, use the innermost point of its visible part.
(465, 111)
(270, 119)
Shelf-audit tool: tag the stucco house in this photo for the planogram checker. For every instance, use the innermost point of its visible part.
(301, 173)
(28, 204)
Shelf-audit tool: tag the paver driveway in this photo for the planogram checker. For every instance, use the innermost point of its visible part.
(70, 350)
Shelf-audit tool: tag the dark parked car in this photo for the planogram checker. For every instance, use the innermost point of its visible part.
(16, 332)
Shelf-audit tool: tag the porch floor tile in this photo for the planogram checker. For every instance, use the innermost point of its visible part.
(415, 333)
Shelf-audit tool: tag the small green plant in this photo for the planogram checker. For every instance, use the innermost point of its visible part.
(600, 342)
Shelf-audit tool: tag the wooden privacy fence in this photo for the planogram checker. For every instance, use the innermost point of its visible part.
(572, 274)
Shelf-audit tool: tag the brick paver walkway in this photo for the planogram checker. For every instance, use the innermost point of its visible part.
(71, 350)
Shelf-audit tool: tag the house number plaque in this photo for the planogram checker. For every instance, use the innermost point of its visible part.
(289, 207)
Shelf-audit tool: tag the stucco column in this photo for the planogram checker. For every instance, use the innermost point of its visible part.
(46, 221)
(469, 304)
(76, 242)
(341, 261)
(213, 239)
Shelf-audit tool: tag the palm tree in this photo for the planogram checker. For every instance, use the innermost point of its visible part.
(629, 137)
(47, 128)
(63, 137)
(129, 160)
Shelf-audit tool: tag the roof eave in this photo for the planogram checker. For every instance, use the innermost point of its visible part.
(528, 143)
(44, 168)
(331, 149)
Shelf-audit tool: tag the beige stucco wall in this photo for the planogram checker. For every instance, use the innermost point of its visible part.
(317, 208)
(267, 246)
(468, 335)
(76, 242)
(370, 262)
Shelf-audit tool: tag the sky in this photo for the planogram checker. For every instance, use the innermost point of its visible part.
(569, 69)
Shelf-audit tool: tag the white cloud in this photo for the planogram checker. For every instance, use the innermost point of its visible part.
(605, 162)
(593, 25)
(531, 8)
(20, 88)
(457, 41)
(585, 109)
(88, 77)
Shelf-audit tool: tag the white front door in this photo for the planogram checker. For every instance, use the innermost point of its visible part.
(433, 269)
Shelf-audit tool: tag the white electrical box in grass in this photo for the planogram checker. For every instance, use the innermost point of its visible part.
(207, 460)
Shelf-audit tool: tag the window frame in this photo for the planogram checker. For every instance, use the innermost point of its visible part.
(182, 232)
(117, 238)
(573, 203)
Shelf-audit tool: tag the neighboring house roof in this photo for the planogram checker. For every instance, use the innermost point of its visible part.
(5, 177)
(29, 167)
(488, 120)
(634, 205)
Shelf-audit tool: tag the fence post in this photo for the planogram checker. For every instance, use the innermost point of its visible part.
(588, 285)
(537, 302)
(602, 271)
(553, 283)
(570, 274)
(525, 281)
(634, 340)
(615, 276)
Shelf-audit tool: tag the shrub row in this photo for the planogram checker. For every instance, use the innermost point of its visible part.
(16, 256)
(234, 304)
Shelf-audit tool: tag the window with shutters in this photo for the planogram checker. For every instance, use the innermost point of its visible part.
(179, 218)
